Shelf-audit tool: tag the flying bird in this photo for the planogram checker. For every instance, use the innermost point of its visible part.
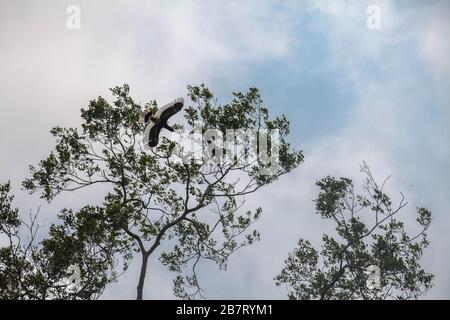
(154, 123)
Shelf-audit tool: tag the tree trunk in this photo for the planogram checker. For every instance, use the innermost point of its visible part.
(140, 287)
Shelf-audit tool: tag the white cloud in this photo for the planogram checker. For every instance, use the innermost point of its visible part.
(49, 72)
(345, 25)
(433, 40)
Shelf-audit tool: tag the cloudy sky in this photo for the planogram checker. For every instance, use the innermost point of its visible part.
(352, 93)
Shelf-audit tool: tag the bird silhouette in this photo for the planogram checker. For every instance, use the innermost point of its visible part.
(154, 123)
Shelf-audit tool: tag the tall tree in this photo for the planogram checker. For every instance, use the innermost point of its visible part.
(194, 208)
(371, 255)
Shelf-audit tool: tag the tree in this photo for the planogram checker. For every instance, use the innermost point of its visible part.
(34, 270)
(193, 207)
(342, 269)
(17, 279)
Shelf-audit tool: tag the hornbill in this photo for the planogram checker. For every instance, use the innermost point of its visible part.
(154, 123)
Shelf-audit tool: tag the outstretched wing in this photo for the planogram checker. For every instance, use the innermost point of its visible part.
(167, 111)
(151, 135)
(153, 128)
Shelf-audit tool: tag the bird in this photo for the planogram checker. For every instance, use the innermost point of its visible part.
(154, 123)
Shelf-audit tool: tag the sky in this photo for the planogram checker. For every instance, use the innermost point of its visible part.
(352, 94)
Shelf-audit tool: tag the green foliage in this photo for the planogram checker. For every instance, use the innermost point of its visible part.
(9, 217)
(194, 208)
(368, 233)
(38, 271)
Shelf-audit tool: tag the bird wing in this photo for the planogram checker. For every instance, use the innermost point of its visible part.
(167, 111)
(151, 135)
